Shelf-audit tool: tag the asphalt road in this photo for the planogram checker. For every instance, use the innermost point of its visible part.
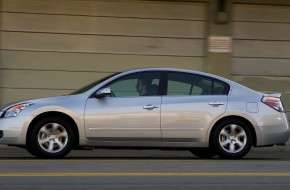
(267, 168)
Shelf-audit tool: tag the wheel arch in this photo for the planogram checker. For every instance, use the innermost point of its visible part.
(55, 114)
(235, 117)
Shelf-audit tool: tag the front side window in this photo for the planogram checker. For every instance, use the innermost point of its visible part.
(139, 84)
(190, 84)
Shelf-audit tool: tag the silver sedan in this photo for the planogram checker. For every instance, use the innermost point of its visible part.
(149, 108)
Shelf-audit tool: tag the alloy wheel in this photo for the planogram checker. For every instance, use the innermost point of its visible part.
(232, 138)
(52, 137)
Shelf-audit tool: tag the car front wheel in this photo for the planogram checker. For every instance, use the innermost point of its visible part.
(51, 138)
(232, 139)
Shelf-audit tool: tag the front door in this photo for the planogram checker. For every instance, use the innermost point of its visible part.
(132, 112)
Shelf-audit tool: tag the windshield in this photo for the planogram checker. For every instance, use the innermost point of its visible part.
(91, 85)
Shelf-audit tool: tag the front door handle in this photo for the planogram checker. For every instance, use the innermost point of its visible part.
(216, 103)
(149, 107)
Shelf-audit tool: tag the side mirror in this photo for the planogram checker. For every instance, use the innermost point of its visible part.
(103, 92)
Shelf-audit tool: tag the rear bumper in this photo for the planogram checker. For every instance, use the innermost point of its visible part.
(275, 132)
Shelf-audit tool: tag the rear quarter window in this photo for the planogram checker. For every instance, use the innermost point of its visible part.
(220, 88)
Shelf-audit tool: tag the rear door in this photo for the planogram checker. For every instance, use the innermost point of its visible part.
(191, 104)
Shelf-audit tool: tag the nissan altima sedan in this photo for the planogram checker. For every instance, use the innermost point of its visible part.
(156, 108)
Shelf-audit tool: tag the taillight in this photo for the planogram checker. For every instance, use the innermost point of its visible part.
(273, 102)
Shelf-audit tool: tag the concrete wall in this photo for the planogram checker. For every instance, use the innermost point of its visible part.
(54, 47)
(261, 51)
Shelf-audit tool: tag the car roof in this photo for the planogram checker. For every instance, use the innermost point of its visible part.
(176, 70)
(230, 82)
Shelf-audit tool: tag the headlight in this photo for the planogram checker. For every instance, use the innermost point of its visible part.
(15, 110)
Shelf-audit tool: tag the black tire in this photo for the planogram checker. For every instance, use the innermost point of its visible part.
(31, 151)
(204, 153)
(57, 136)
(238, 142)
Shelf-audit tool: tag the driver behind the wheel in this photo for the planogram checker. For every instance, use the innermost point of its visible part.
(143, 87)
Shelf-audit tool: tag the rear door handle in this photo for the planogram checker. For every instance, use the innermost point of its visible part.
(216, 103)
(149, 107)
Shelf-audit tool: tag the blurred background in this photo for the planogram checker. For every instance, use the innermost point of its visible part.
(53, 47)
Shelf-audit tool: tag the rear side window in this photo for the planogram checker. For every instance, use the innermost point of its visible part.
(190, 84)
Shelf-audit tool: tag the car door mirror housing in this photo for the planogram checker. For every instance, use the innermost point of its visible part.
(103, 92)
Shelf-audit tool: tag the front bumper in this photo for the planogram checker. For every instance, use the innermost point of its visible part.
(13, 130)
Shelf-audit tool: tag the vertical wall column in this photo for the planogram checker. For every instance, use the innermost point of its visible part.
(219, 38)
(1, 66)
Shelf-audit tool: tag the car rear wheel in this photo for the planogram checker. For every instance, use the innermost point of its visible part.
(232, 139)
(51, 138)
